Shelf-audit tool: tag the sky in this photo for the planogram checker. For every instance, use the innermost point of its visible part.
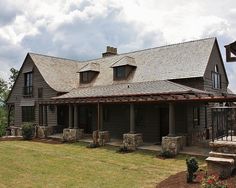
(81, 29)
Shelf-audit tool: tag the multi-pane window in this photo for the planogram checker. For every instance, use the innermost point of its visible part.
(216, 81)
(28, 84)
(119, 73)
(196, 116)
(28, 114)
(87, 76)
(84, 77)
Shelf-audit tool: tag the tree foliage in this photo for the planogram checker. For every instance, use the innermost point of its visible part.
(13, 76)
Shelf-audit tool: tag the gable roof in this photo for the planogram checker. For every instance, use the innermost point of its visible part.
(125, 61)
(90, 67)
(183, 60)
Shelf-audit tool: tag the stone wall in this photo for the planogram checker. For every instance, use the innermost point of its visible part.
(132, 141)
(16, 131)
(44, 131)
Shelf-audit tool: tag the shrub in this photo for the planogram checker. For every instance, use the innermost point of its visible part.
(93, 145)
(28, 131)
(166, 154)
(124, 149)
(192, 167)
(212, 181)
(2, 130)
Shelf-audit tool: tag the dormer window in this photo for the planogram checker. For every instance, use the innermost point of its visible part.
(120, 72)
(123, 68)
(86, 77)
(216, 78)
(88, 73)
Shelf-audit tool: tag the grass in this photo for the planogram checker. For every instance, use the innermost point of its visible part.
(33, 164)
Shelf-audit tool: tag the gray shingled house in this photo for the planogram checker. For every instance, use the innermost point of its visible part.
(149, 94)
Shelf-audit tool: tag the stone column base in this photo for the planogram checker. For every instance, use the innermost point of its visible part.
(44, 131)
(132, 141)
(103, 137)
(72, 135)
(16, 131)
(171, 144)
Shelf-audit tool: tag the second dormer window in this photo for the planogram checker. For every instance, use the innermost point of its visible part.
(120, 73)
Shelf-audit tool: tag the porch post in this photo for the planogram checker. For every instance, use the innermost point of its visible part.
(171, 120)
(76, 116)
(132, 119)
(101, 117)
(45, 118)
(70, 116)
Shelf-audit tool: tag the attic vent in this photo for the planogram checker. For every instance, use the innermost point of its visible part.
(110, 51)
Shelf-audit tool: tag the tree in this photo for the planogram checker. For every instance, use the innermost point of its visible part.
(13, 76)
(3, 91)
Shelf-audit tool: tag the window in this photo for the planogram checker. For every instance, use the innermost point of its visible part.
(216, 81)
(40, 92)
(87, 76)
(28, 84)
(119, 72)
(196, 116)
(27, 113)
(84, 77)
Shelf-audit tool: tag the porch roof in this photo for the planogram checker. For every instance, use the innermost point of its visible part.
(131, 89)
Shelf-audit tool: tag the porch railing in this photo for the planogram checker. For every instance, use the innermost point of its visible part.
(223, 124)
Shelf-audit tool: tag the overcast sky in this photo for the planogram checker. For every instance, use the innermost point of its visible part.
(81, 29)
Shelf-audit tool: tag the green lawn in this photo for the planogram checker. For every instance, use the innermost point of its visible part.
(33, 164)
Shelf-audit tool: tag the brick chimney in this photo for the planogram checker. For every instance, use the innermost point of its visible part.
(110, 51)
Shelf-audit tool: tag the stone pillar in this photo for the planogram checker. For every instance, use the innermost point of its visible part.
(70, 116)
(171, 120)
(45, 117)
(76, 123)
(132, 119)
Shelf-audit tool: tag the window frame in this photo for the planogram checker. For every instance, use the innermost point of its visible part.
(196, 116)
(216, 78)
(120, 73)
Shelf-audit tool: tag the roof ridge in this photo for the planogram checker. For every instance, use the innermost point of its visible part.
(50, 56)
(135, 51)
(162, 46)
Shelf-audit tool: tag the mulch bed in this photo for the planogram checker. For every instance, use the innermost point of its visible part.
(179, 180)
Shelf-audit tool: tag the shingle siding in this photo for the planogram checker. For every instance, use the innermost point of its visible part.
(16, 95)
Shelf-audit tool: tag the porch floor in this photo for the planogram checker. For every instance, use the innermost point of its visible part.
(190, 150)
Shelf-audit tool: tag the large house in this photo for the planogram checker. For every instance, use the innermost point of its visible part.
(151, 93)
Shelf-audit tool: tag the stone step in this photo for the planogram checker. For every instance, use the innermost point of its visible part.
(220, 160)
(222, 155)
(223, 166)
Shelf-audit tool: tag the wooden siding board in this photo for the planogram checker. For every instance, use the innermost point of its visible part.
(38, 81)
